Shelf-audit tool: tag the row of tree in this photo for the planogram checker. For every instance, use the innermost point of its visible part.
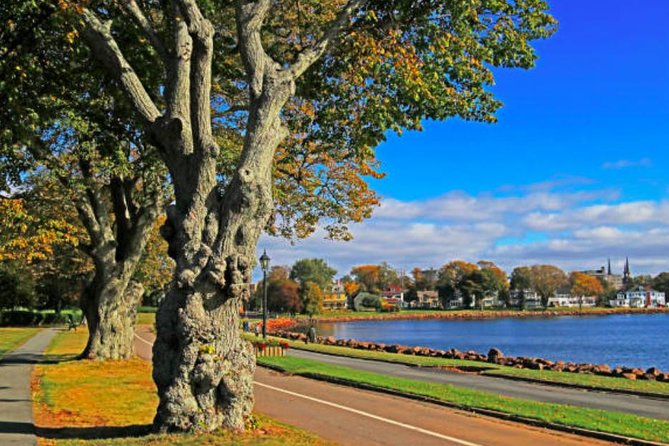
(297, 289)
(461, 279)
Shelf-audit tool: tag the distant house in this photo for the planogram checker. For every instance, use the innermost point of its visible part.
(567, 300)
(426, 299)
(639, 297)
(531, 298)
(394, 295)
(335, 298)
(490, 301)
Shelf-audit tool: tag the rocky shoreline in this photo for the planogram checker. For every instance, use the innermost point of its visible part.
(477, 314)
(494, 356)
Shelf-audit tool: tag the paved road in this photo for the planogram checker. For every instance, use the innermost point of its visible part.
(16, 410)
(644, 406)
(356, 417)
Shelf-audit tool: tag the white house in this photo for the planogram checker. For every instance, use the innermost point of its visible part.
(639, 298)
(426, 299)
(532, 299)
(567, 300)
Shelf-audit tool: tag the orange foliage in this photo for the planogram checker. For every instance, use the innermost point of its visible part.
(27, 237)
(585, 285)
(350, 288)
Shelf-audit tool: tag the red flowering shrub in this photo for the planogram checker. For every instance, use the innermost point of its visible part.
(280, 324)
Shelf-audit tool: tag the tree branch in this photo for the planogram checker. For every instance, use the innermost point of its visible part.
(311, 54)
(250, 17)
(107, 51)
(202, 33)
(177, 91)
(140, 19)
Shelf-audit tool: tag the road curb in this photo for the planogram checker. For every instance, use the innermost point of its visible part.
(487, 412)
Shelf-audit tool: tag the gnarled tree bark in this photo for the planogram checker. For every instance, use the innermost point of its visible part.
(109, 302)
(202, 368)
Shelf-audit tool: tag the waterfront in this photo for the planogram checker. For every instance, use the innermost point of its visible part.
(639, 340)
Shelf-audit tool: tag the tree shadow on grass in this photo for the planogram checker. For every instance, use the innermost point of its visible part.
(57, 359)
(94, 432)
(16, 427)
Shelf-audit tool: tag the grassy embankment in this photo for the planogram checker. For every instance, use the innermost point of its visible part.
(564, 378)
(592, 419)
(11, 338)
(76, 401)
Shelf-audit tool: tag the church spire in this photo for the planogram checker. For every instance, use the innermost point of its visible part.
(626, 272)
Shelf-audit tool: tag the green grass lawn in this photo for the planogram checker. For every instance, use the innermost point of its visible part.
(564, 378)
(593, 419)
(11, 338)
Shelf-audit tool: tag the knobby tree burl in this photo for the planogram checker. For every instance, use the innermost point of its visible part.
(357, 68)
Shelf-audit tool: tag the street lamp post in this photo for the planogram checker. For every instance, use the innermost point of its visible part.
(264, 264)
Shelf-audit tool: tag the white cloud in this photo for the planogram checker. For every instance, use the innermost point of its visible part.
(623, 164)
(574, 230)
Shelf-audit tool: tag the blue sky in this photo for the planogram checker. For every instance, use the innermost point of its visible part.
(575, 170)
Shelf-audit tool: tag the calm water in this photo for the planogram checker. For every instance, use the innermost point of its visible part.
(631, 340)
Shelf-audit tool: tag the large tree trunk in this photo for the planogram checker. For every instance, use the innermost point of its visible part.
(109, 304)
(201, 366)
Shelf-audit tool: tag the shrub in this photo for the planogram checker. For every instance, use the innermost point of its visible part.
(21, 318)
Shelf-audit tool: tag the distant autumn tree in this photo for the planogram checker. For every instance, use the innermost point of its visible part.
(452, 278)
(584, 285)
(284, 296)
(546, 280)
(27, 236)
(368, 276)
(40, 239)
(351, 70)
(312, 298)
(313, 270)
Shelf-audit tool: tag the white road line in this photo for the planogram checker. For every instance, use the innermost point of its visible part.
(143, 340)
(369, 415)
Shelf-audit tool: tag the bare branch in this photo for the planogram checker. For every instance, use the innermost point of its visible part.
(140, 19)
(250, 17)
(311, 54)
(105, 48)
(202, 33)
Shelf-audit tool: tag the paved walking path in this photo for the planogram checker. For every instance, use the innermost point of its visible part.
(637, 405)
(16, 409)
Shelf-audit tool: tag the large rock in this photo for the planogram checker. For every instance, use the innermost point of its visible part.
(495, 355)
(653, 371)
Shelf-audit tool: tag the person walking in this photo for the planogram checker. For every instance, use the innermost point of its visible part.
(311, 337)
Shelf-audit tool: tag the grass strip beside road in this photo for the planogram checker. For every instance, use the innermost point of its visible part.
(146, 319)
(549, 376)
(76, 401)
(12, 338)
(591, 419)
